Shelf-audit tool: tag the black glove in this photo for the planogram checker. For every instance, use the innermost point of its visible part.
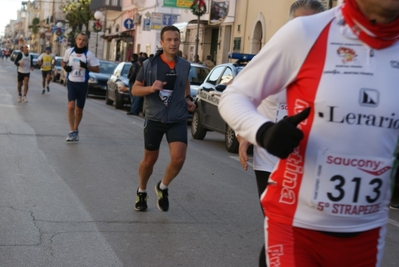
(68, 68)
(83, 65)
(281, 138)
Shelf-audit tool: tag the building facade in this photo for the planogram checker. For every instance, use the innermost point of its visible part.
(228, 25)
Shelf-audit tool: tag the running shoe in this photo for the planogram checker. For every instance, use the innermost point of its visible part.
(19, 99)
(162, 195)
(71, 136)
(76, 135)
(394, 207)
(141, 201)
(24, 99)
(48, 89)
(43, 92)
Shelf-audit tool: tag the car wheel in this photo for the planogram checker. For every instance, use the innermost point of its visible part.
(197, 130)
(118, 102)
(107, 100)
(231, 141)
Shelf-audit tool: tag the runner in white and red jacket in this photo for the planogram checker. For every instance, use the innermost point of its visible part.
(329, 193)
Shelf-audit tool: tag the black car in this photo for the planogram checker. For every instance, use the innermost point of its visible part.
(118, 86)
(57, 69)
(14, 54)
(98, 81)
(34, 60)
(206, 116)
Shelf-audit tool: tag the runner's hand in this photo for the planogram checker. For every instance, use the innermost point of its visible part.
(242, 151)
(281, 138)
(67, 68)
(83, 65)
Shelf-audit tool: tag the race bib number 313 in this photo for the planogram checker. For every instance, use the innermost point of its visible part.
(350, 185)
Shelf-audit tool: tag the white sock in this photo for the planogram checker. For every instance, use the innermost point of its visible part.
(142, 191)
(162, 186)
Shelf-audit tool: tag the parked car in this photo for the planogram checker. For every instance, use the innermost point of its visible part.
(197, 75)
(206, 116)
(118, 86)
(34, 59)
(63, 75)
(98, 81)
(14, 54)
(57, 69)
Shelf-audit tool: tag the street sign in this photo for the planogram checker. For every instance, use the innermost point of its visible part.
(168, 19)
(160, 20)
(146, 24)
(128, 24)
(156, 21)
(177, 3)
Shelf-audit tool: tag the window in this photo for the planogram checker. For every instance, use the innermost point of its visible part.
(216, 72)
(237, 44)
(227, 76)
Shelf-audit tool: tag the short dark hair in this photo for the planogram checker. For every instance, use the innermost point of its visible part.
(135, 56)
(169, 28)
(313, 5)
(81, 33)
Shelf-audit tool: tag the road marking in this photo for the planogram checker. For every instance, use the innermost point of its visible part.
(237, 158)
(393, 222)
(8, 106)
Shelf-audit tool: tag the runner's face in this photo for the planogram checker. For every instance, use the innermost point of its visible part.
(384, 11)
(81, 41)
(26, 49)
(170, 42)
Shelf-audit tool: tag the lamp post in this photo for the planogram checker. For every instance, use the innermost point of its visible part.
(42, 39)
(97, 27)
(198, 8)
(59, 33)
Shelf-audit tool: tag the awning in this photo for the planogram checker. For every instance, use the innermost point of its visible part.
(182, 26)
(126, 36)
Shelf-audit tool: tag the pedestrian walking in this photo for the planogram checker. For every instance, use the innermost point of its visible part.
(329, 192)
(45, 61)
(209, 62)
(78, 61)
(24, 63)
(131, 75)
(164, 84)
(137, 101)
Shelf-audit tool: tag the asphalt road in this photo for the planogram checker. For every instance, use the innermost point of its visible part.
(72, 204)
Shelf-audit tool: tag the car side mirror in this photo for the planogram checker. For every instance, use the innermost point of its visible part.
(221, 87)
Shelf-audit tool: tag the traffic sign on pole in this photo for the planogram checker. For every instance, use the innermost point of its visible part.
(128, 23)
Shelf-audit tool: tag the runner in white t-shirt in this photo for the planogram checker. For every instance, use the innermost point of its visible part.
(330, 190)
(78, 61)
(24, 63)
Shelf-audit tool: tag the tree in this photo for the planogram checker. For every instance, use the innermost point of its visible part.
(77, 14)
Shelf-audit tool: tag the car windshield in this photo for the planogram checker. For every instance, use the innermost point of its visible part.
(58, 62)
(125, 70)
(107, 67)
(197, 75)
(34, 55)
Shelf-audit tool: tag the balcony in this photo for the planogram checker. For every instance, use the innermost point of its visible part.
(114, 5)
